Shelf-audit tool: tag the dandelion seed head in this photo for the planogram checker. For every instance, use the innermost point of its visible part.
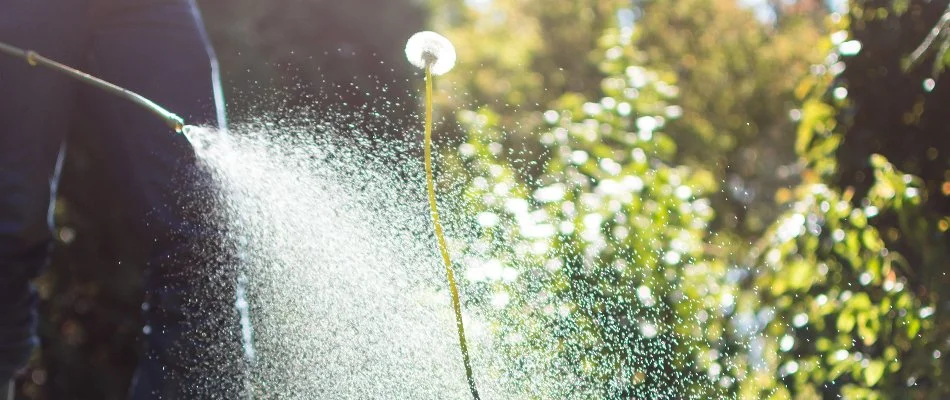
(431, 49)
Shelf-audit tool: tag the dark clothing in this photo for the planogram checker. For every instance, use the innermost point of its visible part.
(157, 48)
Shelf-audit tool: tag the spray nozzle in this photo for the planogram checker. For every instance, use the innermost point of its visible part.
(175, 122)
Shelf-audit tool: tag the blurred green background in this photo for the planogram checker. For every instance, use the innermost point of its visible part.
(774, 174)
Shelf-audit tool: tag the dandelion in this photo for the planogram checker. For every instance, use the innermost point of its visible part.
(431, 50)
(435, 54)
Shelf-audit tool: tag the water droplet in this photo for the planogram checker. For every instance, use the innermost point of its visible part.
(648, 330)
(487, 219)
(579, 157)
(786, 343)
(789, 368)
(839, 37)
(841, 93)
(800, 320)
(849, 48)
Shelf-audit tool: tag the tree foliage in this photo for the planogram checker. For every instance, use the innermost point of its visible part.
(839, 296)
(607, 246)
(736, 73)
(870, 323)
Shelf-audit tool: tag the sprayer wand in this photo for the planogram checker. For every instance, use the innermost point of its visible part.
(173, 121)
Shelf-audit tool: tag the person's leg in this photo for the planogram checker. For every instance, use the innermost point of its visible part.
(35, 110)
(157, 48)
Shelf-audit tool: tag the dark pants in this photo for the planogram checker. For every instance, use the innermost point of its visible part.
(157, 48)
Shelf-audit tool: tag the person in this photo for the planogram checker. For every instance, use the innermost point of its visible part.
(159, 49)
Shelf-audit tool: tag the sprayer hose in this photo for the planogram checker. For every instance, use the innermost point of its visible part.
(31, 57)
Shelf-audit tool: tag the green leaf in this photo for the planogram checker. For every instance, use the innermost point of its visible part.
(853, 391)
(800, 275)
(814, 113)
(871, 240)
(840, 368)
(860, 301)
(845, 322)
(901, 6)
(874, 372)
(912, 328)
(867, 328)
(878, 161)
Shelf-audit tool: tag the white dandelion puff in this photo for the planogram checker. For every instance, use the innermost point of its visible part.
(431, 49)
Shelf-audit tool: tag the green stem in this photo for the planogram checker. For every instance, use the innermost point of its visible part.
(31, 57)
(443, 248)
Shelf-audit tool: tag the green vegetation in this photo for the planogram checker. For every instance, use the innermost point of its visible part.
(599, 236)
(726, 167)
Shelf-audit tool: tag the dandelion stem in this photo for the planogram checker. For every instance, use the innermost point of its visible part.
(443, 248)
